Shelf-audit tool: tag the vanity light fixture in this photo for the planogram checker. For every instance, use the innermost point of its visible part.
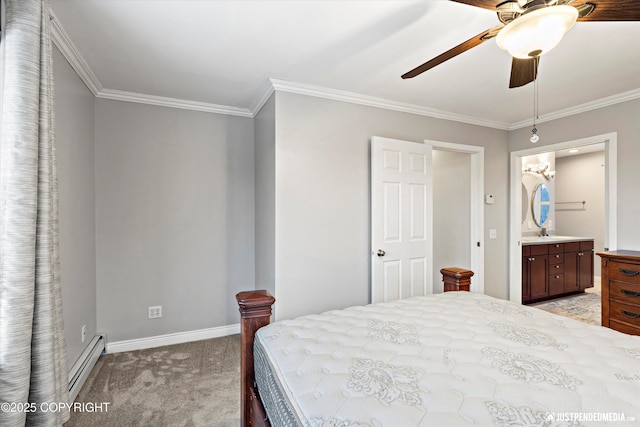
(541, 169)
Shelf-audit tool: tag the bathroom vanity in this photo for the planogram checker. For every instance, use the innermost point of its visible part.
(554, 266)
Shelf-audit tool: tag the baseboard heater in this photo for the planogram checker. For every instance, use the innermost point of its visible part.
(83, 366)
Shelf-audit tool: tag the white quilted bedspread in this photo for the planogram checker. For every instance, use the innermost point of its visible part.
(453, 359)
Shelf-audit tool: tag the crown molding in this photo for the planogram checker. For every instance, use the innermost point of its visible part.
(162, 101)
(77, 62)
(72, 55)
(582, 108)
(264, 94)
(81, 67)
(355, 98)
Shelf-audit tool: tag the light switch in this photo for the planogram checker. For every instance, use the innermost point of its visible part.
(493, 233)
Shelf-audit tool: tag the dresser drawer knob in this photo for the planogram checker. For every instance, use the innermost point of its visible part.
(630, 273)
(630, 293)
(630, 314)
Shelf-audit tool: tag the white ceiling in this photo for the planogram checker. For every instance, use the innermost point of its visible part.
(224, 52)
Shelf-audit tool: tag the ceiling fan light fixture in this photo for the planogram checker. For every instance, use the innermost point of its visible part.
(537, 31)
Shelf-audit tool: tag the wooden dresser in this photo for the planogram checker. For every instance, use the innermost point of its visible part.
(621, 291)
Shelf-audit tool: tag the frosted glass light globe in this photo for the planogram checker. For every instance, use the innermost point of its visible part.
(537, 32)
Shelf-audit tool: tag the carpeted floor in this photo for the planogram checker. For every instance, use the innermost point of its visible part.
(197, 384)
(188, 385)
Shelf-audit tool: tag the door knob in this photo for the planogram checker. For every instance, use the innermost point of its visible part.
(381, 252)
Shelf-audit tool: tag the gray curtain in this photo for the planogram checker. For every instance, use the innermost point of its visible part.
(32, 350)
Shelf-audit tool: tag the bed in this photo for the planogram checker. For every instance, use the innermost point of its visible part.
(451, 359)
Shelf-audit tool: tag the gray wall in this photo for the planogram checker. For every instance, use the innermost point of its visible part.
(581, 178)
(623, 118)
(322, 197)
(451, 215)
(175, 217)
(74, 133)
(265, 186)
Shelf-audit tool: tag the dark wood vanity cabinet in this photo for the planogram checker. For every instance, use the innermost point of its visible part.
(550, 270)
(579, 265)
(535, 273)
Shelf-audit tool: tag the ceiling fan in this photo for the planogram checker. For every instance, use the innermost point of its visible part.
(532, 27)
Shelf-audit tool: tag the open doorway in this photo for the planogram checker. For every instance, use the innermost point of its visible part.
(458, 201)
(609, 239)
(403, 245)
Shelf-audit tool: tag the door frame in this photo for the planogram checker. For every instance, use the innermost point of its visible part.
(515, 207)
(476, 201)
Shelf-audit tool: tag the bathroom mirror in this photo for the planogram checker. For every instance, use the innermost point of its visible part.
(540, 204)
(525, 202)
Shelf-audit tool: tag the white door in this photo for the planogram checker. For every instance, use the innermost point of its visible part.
(401, 206)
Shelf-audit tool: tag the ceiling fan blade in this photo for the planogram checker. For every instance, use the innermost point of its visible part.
(610, 10)
(455, 51)
(523, 71)
(485, 4)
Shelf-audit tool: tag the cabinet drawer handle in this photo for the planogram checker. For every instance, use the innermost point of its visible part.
(630, 273)
(630, 293)
(630, 314)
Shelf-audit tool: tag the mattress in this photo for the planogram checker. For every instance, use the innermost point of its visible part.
(452, 359)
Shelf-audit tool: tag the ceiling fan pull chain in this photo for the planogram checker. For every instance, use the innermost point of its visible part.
(534, 132)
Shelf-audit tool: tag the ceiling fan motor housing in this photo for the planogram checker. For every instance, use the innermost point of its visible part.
(519, 16)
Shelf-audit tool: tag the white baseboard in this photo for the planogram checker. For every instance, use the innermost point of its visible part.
(82, 368)
(169, 339)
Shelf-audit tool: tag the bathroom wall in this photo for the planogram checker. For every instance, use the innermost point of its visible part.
(581, 178)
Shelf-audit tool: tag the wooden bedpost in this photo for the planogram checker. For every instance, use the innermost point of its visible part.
(255, 312)
(456, 279)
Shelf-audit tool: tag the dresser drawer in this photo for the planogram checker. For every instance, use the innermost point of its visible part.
(625, 313)
(556, 259)
(628, 293)
(556, 268)
(556, 284)
(624, 272)
(556, 248)
(572, 247)
(624, 328)
(586, 246)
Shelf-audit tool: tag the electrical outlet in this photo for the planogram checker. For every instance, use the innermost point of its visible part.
(84, 332)
(155, 312)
